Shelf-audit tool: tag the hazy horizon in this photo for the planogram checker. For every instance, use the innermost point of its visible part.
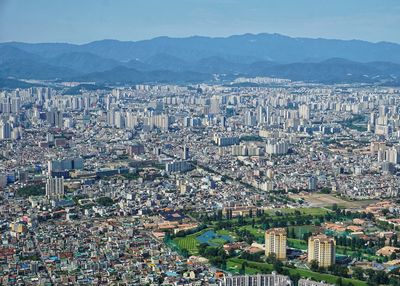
(79, 22)
(201, 36)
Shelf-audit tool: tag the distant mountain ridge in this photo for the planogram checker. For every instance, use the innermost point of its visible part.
(239, 48)
(195, 59)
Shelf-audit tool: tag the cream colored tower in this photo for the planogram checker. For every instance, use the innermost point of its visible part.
(275, 242)
(322, 249)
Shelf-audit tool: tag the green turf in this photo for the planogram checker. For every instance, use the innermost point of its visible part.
(218, 241)
(235, 264)
(255, 265)
(251, 271)
(256, 231)
(297, 243)
(324, 277)
(303, 211)
(302, 245)
(235, 268)
(227, 232)
(189, 243)
(300, 230)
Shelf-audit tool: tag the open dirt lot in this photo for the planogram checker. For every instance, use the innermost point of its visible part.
(327, 200)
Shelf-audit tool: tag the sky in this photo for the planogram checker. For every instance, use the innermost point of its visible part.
(82, 21)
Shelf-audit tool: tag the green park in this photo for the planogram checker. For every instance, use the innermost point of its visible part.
(219, 229)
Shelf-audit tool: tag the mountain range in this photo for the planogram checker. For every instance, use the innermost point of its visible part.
(200, 59)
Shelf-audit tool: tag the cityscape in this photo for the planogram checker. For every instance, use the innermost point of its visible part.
(242, 160)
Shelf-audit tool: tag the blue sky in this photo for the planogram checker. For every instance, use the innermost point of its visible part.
(81, 21)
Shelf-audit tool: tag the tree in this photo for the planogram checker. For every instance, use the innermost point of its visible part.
(202, 248)
(358, 273)
(376, 277)
(339, 270)
(326, 190)
(295, 278)
(219, 215)
(105, 201)
(223, 264)
(314, 265)
(34, 190)
(185, 253)
(241, 220)
(278, 266)
(243, 268)
(271, 258)
(292, 233)
(227, 214)
(394, 281)
(306, 236)
(167, 237)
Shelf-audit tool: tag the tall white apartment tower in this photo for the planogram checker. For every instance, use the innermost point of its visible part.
(55, 188)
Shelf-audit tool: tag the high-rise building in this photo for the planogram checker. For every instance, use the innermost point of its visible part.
(392, 155)
(222, 121)
(185, 155)
(156, 105)
(304, 111)
(239, 150)
(250, 119)
(267, 114)
(274, 147)
(383, 110)
(5, 130)
(3, 180)
(55, 118)
(312, 183)
(131, 120)
(214, 105)
(34, 267)
(178, 166)
(275, 242)
(372, 119)
(225, 141)
(260, 114)
(109, 100)
(195, 122)
(162, 121)
(55, 188)
(15, 105)
(64, 164)
(111, 118)
(321, 248)
(272, 279)
(119, 120)
(5, 107)
(135, 149)
(186, 122)
(16, 133)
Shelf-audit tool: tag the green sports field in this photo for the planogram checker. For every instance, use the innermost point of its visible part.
(189, 243)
